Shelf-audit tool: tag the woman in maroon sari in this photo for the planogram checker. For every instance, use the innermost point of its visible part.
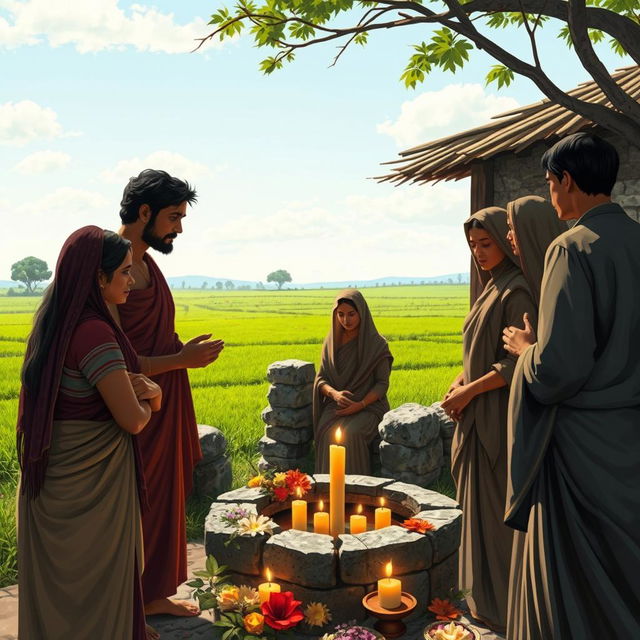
(79, 537)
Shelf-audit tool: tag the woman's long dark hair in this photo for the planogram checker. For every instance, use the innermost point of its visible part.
(46, 319)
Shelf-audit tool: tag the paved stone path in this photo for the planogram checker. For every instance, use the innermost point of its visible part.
(172, 628)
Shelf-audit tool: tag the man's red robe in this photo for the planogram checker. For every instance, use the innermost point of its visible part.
(169, 443)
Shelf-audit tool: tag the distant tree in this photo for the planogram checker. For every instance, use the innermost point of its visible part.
(229, 285)
(30, 271)
(219, 285)
(421, 281)
(204, 284)
(184, 284)
(260, 286)
(459, 278)
(450, 280)
(279, 277)
(377, 284)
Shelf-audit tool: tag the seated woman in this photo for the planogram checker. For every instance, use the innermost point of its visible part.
(79, 533)
(478, 400)
(351, 386)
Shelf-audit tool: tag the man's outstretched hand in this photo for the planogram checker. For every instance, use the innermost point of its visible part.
(200, 351)
(517, 340)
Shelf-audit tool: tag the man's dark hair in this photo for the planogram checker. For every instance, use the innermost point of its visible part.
(158, 190)
(591, 161)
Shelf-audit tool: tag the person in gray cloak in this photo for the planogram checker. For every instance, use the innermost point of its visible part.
(574, 414)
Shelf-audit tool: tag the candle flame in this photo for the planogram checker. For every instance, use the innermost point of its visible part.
(268, 574)
(382, 502)
(321, 506)
(338, 435)
(359, 509)
(388, 569)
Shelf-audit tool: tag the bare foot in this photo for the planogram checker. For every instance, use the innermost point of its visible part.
(171, 607)
(152, 634)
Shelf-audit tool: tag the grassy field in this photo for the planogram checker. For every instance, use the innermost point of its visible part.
(422, 323)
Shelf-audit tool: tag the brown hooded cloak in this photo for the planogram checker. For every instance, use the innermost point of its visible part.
(479, 452)
(360, 366)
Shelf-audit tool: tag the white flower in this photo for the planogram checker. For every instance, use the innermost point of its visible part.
(255, 524)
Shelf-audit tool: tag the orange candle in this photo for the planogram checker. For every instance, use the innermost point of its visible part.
(389, 590)
(337, 462)
(267, 588)
(358, 522)
(299, 513)
(382, 515)
(321, 520)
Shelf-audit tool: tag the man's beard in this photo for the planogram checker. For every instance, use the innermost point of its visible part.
(156, 242)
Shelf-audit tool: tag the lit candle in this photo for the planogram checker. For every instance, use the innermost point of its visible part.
(357, 522)
(389, 590)
(267, 588)
(299, 513)
(383, 515)
(337, 461)
(321, 520)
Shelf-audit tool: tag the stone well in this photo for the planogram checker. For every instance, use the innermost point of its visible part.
(339, 572)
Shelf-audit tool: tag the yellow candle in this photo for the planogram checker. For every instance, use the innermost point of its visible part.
(321, 520)
(358, 522)
(299, 514)
(382, 516)
(267, 588)
(337, 461)
(389, 590)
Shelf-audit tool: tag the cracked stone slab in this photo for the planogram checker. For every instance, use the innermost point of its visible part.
(416, 498)
(301, 557)
(212, 478)
(282, 464)
(445, 538)
(244, 553)
(447, 425)
(365, 485)
(289, 395)
(250, 495)
(421, 461)
(274, 449)
(411, 424)
(212, 442)
(288, 417)
(292, 372)
(362, 558)
(289, 435)
(410, 477)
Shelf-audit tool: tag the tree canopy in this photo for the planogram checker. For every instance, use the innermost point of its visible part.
(30, 271)
(453, 29)
(279, 277)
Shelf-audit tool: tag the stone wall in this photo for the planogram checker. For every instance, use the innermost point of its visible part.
(212, 474)
(520, 175)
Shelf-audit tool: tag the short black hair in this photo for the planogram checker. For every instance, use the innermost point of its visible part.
(351, 303)
(591, 161)
(157, 189)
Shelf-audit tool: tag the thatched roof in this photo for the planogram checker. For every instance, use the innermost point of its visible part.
(450, 158)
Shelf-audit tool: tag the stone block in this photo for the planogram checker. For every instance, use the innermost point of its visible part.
(417, 499)
(289, 435)
(293, 396)
(294, 372)
(445, 538)
(301, 557)
(212, 478)
(447, 425)
(287, 417)
(418, 585)
(362, 558)
(212, 442)
(411, 424)
(244, 553)
(273, 449)
(248, 495)
(363, 485)
(411, 477)
(397, 457)
(282, 464)
(443, 577)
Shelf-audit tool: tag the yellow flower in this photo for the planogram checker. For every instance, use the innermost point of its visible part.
(254, 525)
(316, 614)
(256, 481)
(253, 622)
(248, 596)
(279, 480)
(228, 598)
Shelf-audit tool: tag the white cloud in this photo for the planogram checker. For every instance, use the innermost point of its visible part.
(43, 162)
(25, 121)
(96, 25)
(174, 163)
(65, 203)
(435, 114)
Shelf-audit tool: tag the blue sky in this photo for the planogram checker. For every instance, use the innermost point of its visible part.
(94, 92)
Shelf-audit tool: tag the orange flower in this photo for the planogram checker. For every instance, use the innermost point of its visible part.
(444, 610)
(419, 525)
(253, 623)
(297, 480)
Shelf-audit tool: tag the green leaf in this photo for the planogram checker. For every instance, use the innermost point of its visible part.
(595, 35)
(196, 584)
(269, 65)
(211, 564)
(361, 38)
(201, 573)
(565, 34)
(617, 47)
(500, 74)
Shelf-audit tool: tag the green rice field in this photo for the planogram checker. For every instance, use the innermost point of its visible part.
(422, 323)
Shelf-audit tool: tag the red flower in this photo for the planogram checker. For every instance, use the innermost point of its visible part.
(444, 610)
(419, 525)
(281, 611)
(297, 480)
(280, 493)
